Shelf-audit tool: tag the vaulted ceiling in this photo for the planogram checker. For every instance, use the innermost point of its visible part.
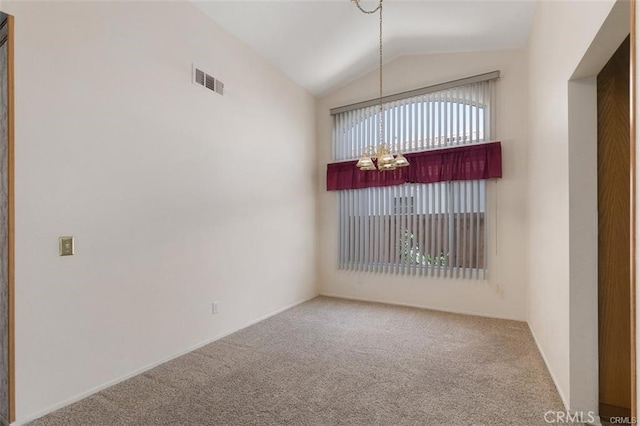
(323, 44)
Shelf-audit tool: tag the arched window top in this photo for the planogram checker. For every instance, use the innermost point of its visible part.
(452, 117)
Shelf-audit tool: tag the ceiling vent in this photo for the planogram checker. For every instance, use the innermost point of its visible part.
(207, 81)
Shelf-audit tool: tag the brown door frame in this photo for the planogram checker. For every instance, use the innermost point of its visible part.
(632, 246)
(11, 215)
(11, 169)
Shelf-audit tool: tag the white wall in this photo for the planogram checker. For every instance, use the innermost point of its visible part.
(503, 294)
(176, 196)
(561, 34)
(583, 244)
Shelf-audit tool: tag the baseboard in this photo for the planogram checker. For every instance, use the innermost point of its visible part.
(269, 315)
(113, 382)
(413, 305)
(553, 377)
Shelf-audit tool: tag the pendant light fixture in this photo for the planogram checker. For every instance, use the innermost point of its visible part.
(381, 158)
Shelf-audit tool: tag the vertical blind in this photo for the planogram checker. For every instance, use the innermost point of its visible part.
(435, 229)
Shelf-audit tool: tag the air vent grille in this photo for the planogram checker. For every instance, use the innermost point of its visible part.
(207, 81)
(199, 77)
(210, 82)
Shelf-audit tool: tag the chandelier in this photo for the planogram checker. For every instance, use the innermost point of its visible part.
(384, 159)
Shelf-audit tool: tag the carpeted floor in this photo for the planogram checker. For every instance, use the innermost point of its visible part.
(338, 362)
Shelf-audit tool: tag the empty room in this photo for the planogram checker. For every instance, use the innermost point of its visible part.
(318, 212)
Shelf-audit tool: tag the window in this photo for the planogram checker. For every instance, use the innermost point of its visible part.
(418, 229)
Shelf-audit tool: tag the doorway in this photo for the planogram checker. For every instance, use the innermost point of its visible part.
(614, 233)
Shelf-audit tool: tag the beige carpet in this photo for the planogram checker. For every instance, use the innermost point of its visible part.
(338, 362)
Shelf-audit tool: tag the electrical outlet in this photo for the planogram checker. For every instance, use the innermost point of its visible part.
(214, 307)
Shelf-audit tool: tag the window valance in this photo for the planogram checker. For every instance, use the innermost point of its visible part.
(469, 162)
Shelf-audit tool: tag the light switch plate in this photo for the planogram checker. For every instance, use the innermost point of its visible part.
(66, 246)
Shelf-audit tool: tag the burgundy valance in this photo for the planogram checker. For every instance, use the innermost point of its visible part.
(469, 162)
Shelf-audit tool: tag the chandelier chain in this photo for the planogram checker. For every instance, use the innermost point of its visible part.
(383, 155)
(380, 111)
(380, 107)
(368, 12)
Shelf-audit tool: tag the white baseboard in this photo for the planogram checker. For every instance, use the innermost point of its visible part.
(413, 305)
(113, 382)
(269, 315)
(553, 377)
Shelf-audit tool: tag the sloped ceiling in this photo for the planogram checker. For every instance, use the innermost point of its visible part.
(325, 44)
